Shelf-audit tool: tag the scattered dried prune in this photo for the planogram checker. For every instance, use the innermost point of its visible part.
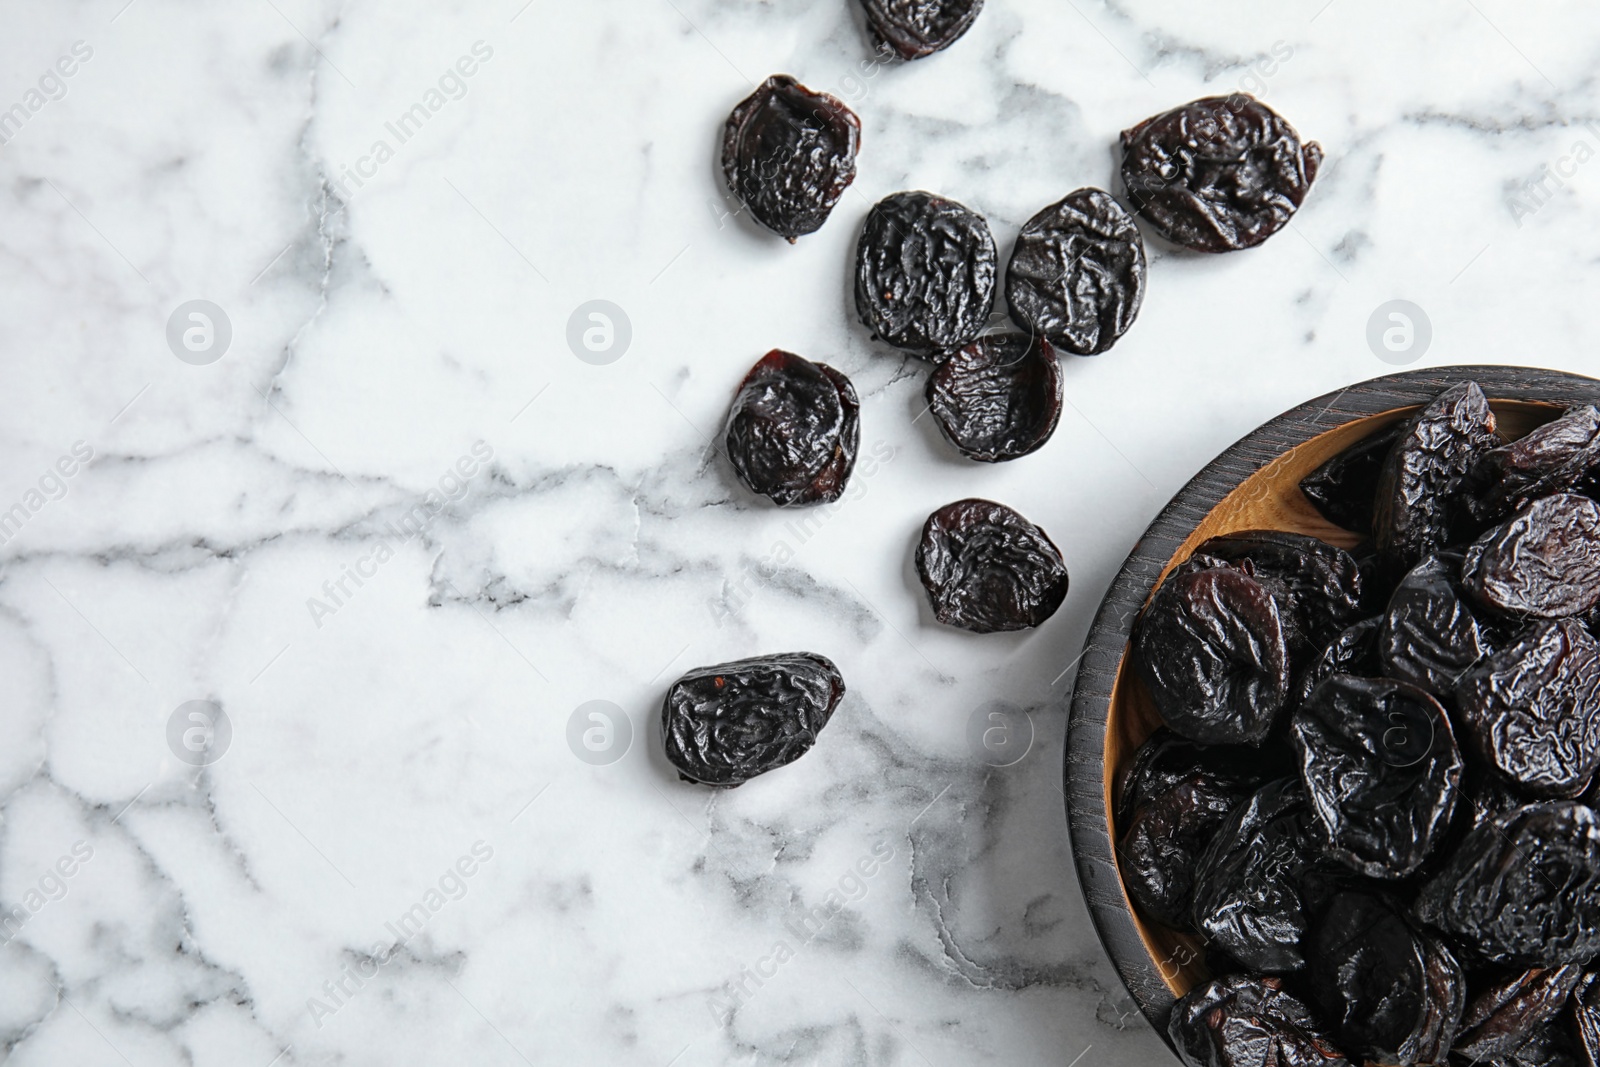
(1077, 273)
(788, 154)
(1415, 514)
(1239, 1021)
(1510, 1013)
(1381, 770)
(727, 723)
(917, 28)
(793, 430)
(1544, 562)
(1551, 459)
(1218, 174)
(1319, 583)
(1532, 709)
(1392, 994)
(998, 398)
(988, 569)
(1211, 648)
(1354, 651)
(1166, 759)
(1157, 854)
(1430, 637)
(1523, 888)
(925, 270)
(1344, 488)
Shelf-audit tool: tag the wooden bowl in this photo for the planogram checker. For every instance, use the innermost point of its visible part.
(1253, 485)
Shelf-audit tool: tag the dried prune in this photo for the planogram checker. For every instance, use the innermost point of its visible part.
(1166, 759)
(1157, 854)
(1211, 648)
(1510, 1013)
(1551, 459)
(998, 398)
(793, 430)
(1249, 884)
(1532, 709)
(1077, 273)
(1523, 888)
(1554, 1046)
(1319, 583)
(1345, 487)
(1415, 514)
(727, 723)
(1390, 992)
(925, 270)
(1430, 636)
(1240, 1021)
(1218, 174)
(1586, 1017)
(988, 569)
(917, 28)
(1544, 562)
(788, 154)
(1381, 770)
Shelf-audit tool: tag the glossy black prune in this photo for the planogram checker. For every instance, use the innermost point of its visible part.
(1167, 759)
(988, 569)
(1240, 1021)
(727, 723)
(1511, 1012)
(917, 28)
(1430, 636)
(1523, 888)
(1077, 273)
(1165, 837)
(1389, 992)
(1211, 648)
(788, 154)
(925, 273)
(1318, 582)
(1532, 709)
(1544, 562)
(1345, 488)
(1416, 514)
(1550, 459)
(998, 398)
(1218, 174)
(1381, 770)
(793, 430)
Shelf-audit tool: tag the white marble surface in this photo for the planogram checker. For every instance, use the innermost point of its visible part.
(380, 330)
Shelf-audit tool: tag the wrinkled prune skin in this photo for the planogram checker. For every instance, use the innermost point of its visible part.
(925, 273)
(1414, 515)
(1211, 648)
(1240, 1021)
(1166, 759)
(1157, 854)
(1249, 885)
(1544, 562)
(1389, 992)
(1553, 458)
(788, 154)
(917, 28)
(1321, 583)
(987, 569)
(998, 398)
(1381, 770)
(1077, 273)
(1344, 488)
(1510, 1013)
(727, 723)
(1532, 709)
(1586, 1018)
(1354, 651)
(1218, 174)
(1524, 888)
(793, 430)
(1430, 636)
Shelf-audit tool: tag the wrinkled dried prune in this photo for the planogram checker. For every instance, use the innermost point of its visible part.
(1240, 1021)
(1157, 854)
(1218, 174)
(727, 723)
(988, 569)
(1510, 1013)
(998, 398)
(1320, 583)
(1166, 759)
(925, 271)
(1532, 709)
(1415, 515)
(1586, 1017)
(1544, 562)
(1523, 888)
(1390, 992)
(917, 28)
(793, 430)
(1354, 651)
(1554, 1046)
(1550, 459)
(1077, 273)
(1211, 648)
(1345, 487)
(788, 154)
(1381, 770)
(1430, 636)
